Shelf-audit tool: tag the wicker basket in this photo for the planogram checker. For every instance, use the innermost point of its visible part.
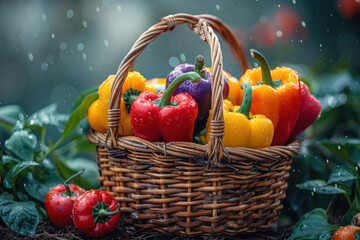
(187, 188)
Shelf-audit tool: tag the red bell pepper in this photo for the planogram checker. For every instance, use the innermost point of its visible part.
(96, 213)
(163, 116)
(59, 202)
(309, 111)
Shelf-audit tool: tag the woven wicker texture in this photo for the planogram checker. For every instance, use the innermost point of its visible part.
(172, 187)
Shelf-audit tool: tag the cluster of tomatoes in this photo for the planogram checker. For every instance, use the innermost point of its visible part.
(93, 212)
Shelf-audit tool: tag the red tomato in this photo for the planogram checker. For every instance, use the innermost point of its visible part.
(59, 206)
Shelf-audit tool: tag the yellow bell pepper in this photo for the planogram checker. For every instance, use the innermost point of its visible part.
(98, 112)
(242, 129)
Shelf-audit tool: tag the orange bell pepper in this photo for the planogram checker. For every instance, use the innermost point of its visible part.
(279, 100)
(233, 86)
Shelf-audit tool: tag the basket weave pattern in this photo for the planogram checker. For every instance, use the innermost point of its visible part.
(169, 187)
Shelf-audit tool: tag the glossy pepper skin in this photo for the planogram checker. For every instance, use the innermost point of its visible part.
(309, 111)
(96, 213)
(201, 91)
(163, 116)
(242, 129)
(59, 202)
(278, 100)
(97, 115)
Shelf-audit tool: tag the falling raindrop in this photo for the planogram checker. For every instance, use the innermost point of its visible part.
(263, 19)
(90, 68)
(303, 24)
(31, 57)
(339, 147)
(97, 9)
(217, 7)
(118, 7)
(70, 13)
(106, 43)
(84, 56)
(52, 35)
(43, 16)
(173, 61)
(44, 66)
(63, 46)
(80, 46)
(182, 57)
(294, 1)
(84, 24)
(279, 33)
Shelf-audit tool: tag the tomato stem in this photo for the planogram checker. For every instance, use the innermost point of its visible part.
(66, 183)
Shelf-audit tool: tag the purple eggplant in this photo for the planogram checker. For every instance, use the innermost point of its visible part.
(201, 91)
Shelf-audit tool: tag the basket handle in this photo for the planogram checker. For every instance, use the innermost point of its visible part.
(202, 25)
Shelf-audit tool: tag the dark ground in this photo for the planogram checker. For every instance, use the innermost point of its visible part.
(48, 231)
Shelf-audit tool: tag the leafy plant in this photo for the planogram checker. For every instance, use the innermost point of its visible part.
(31, 164)
(313, 225)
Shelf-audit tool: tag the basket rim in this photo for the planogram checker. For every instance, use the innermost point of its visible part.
(194, 150)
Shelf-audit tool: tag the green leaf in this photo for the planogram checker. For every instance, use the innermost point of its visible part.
(9, 160)
(91, 173)
(38, 190)
(78, 114)
(42, 214)
(319, 186)
(341, 174)
(22, 143)
(82, 96)
(341, 149)
(313, 225)
(8, 116)
(46, 116)
(346, 220)
(65, 171)
(354, 155)
(11, 176)
(21, 217)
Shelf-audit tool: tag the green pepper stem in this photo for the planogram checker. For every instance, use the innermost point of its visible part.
(265, 69)
(199, 65)
(246, 103)
(102, 212)
(166, 96)
(129, 97)
(66, 183)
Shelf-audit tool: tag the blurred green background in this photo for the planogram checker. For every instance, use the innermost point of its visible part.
(51, 51)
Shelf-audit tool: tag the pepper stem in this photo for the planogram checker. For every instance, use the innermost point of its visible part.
(166, 96)
(129, 97)
(199, 65)
(102, 212)
(66, 183)
(265, 69)
(246, 103)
